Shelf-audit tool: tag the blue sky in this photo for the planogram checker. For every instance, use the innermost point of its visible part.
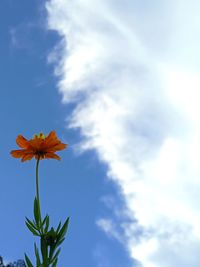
(119, 82)
(74, 187)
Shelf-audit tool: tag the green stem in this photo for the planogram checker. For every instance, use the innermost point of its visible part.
(44, 256)
(37, 190)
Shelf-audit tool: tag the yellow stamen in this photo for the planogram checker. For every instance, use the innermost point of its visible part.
(40, 136)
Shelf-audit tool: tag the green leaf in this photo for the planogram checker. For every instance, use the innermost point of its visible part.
(45, 218)
(51, 251)
(36, 212)
(44, 248)
(58, 228)
(43, 222)
(63, 230)
(32, 224)
(56, 255)
(60, 241)
(38, 262)
(47, 224)
(28, 262)
(32, 229)
(55, 263)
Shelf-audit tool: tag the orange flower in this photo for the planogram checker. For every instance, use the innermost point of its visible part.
(40, 147)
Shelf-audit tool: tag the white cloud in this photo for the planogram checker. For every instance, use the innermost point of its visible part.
(133, 71)
(110, 228)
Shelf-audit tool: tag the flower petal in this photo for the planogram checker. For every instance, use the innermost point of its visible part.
(35, 144)
(22, 141)
(18, 153)
(57, 147)
(51, 136)
(52, 156)
(27, 157)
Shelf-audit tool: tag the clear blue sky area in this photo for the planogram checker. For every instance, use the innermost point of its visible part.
(30, 103)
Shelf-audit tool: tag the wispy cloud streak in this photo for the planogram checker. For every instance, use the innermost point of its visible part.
(133, 71)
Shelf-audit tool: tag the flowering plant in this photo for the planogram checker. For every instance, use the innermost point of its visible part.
(42, 147)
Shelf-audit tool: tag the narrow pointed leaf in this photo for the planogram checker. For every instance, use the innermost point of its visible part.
(36, 211)
(63, 230)
(43, 222)
(38, 262)
(60, 241)
(56, 255)
(45, 219)
(58, 228)
(55, 263)
(32, 229)
(32, 224)
(52, 250)
(44, 249)
(28, 262)
(47, 224)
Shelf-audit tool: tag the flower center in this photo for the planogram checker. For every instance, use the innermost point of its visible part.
(39, 136)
